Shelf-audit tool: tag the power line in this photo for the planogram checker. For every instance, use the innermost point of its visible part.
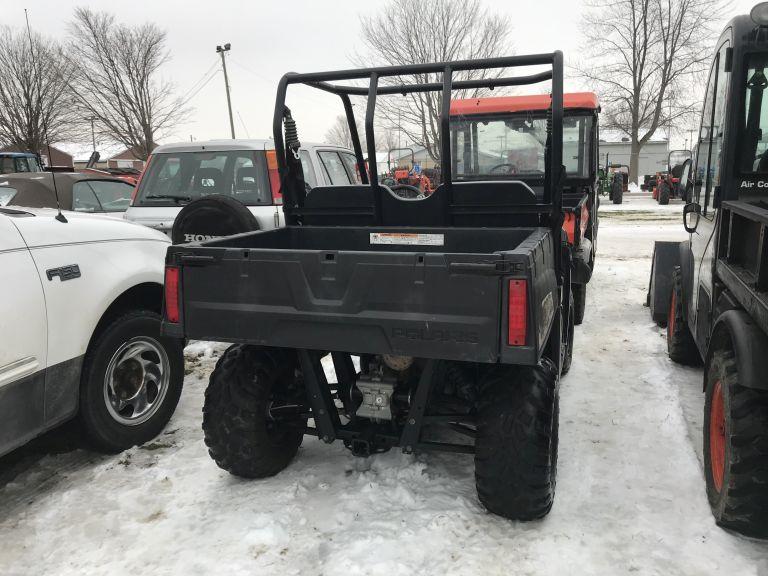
(293, 94)
(205, 74)
(243, 124)
(203, 85)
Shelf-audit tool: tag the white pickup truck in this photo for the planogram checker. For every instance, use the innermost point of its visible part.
(80, 304)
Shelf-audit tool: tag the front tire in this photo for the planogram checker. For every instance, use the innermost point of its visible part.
(243, 434)
(516, 444)
(680, 344)
(131, 382)
(735, 448)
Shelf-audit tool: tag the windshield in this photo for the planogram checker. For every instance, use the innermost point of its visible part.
(515, 145)
(176, 178)
(754, 156)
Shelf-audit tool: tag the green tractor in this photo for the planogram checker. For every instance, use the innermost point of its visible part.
(613, 181)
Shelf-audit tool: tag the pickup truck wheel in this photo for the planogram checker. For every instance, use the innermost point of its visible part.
(680, 345)
(579, 302)
(252, 419)
(131, 382)
(735, 448)
(516, 444)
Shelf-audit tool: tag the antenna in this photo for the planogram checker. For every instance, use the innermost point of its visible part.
(60, 217)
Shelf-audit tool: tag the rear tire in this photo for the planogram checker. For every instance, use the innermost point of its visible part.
(617, 189)
(735, 448)
(516, 444)
(579, 301)
(664, 192)
(241, 436)
(680, 344)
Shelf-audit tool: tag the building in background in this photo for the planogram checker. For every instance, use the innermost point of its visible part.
(126, 159)
(653, 156)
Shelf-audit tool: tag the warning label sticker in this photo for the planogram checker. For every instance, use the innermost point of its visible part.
(407, 239)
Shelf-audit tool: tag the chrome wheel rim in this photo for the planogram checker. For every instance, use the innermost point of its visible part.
(136, 381)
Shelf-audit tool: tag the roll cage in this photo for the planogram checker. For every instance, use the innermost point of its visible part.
(549, 208)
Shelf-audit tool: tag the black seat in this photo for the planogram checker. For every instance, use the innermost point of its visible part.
(350, 205)
(247, 179)
(207, 181)
(493, 203)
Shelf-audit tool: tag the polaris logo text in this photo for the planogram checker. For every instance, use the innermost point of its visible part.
(458, 336)
(198, 237)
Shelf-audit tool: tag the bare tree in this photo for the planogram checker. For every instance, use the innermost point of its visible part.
(408, 32)
(643, 57)
(117, 79)
(339, 133)
(33, 91)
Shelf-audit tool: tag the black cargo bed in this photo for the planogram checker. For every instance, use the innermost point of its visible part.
(426, 292)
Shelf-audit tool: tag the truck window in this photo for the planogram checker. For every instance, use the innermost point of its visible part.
(241, 174)
(6, 195)
(351, 164)
(334, 168)
(717, 131)
(307, 169)
(113, 196)
(84, 199)
(754, 151)
(705, 135)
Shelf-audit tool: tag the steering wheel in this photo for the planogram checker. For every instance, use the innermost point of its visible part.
(413, 191)
(510, 168)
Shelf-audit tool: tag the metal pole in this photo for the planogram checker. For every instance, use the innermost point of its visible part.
(93, 135)
(221, 52)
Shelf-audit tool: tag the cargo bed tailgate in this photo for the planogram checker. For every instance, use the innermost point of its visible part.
(420, 304)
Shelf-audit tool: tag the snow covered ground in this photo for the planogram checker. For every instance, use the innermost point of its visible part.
(630, 494)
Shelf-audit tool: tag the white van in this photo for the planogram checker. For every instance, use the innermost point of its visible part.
(245, 170)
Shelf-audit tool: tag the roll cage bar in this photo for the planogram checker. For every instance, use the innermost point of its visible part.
(293, 196)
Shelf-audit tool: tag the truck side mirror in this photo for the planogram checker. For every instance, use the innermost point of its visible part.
(691, 215)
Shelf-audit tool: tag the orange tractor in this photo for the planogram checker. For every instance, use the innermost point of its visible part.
(418, 185)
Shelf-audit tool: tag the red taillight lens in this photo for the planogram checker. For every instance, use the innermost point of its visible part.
(172, 294)
(274, 177)
(518, 312)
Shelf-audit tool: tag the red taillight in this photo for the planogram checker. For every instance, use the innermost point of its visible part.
(172, 294)
(274, 177)
(138, 182)
(517, 312)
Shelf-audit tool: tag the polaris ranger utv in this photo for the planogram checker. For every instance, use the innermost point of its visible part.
(457, 304)
(503, 138)
(712, 290)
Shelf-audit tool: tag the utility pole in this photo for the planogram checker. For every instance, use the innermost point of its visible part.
(93, 135)
(221, 51)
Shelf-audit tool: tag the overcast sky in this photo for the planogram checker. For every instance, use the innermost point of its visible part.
(270, 38)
